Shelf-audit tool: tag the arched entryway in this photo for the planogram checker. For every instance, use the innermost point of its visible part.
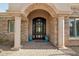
(45, 12)
(37, 17)
(54, 23)
(42, 16)
(38, 28)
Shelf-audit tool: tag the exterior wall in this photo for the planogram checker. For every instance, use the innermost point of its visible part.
(4, 34)
(17, 7)
(66, 32)
(68, 40)
(23, 31)
(55, 25)
(74, 42)
(53, 31)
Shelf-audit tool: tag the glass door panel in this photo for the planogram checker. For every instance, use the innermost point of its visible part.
(38, 28)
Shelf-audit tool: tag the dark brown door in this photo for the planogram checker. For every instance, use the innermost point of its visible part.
(38, 28)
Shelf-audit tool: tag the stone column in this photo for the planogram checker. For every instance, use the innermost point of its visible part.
(61, 32)
(17, 35)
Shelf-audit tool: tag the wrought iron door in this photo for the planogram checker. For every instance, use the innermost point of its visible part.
(38, 28)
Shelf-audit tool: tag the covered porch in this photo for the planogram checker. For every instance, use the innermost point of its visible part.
(54, 24)
(23, 24)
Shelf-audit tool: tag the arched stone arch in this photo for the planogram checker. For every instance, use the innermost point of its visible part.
(43, 6)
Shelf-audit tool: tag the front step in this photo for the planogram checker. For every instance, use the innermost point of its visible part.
(38, 40)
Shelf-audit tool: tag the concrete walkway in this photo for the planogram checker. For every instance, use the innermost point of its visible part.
(38, 49)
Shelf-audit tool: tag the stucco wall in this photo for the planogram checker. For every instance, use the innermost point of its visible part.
(60, 7)
(17, 7)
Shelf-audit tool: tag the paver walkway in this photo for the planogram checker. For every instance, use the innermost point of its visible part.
(37, 48)
(38, 44)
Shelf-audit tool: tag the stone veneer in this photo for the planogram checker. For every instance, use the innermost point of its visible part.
(68, 40)
(24, 30)
(4, 34)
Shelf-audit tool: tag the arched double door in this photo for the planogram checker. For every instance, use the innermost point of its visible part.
(38, 28)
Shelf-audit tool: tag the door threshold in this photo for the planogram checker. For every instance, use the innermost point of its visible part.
(38, 40)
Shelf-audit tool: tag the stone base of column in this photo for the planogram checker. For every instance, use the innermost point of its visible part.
(15, 49)
(63, 47)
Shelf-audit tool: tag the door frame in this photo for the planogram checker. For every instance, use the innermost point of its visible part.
(44, 25)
